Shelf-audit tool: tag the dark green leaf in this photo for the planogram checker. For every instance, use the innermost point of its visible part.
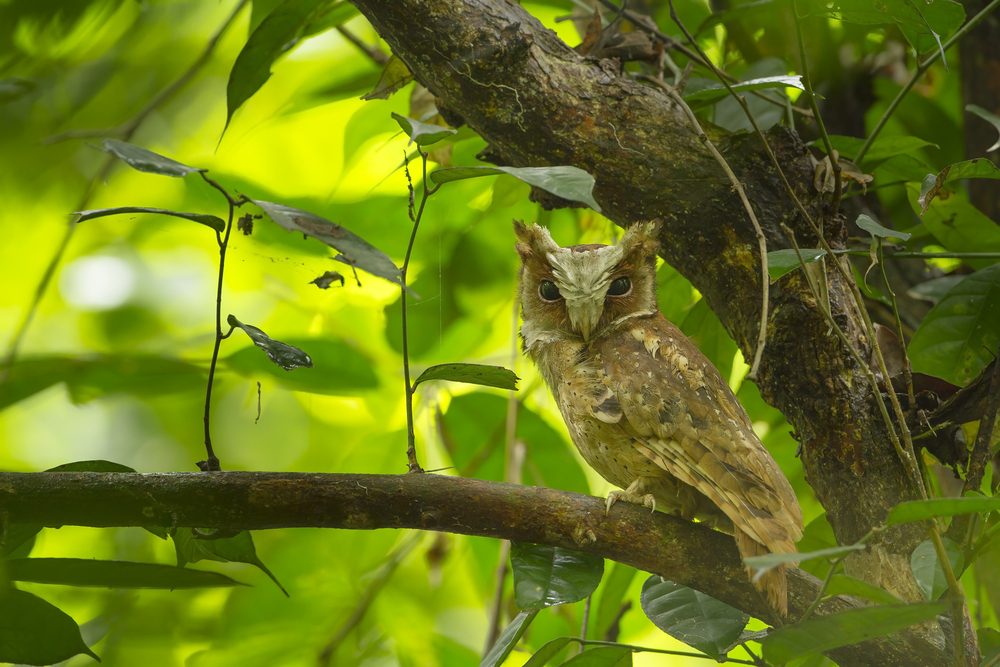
(928, 571)
(941, 16)
(744, 11)
(337, 368)
(918, 510)
(884, 148)
(989, 644)
(508, 639)
(550, 650)
(284, 355)
(841, 584)
(989, 118)
(33, 632)
(979, 167)
(817, 535)
(395, 75)
(716, 92)
(112, 574)
(423, 134)
(957, 224)
(780, 262)
(843, 629)
(767, 562)
(487, 376)
(692, 617)
(237, 549)
(875, 229)
(955, 338)
(616, 585)
(147, 161)
(357, 252)
(91, 466)
(602, 656)
(571, 183)
(545, 576)
(275, 35)
(218, 224)
(19, 536)
(329, 16)
(935, 290)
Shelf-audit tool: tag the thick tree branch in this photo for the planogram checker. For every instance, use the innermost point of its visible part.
(679, 550)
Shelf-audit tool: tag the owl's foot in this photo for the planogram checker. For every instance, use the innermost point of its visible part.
(646, 500)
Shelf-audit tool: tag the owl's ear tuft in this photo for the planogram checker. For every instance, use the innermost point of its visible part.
(523, 251)
(537, 240)
(642, 237)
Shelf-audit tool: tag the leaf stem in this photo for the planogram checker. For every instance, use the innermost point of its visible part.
(921, 68)
(957, 597)
(661, 651)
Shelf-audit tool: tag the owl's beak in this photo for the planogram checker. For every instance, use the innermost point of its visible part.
(584, 314)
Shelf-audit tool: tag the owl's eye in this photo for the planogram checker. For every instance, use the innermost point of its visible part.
(620, 286)
(548, 291)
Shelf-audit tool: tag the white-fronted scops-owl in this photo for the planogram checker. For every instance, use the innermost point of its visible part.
(643, 405)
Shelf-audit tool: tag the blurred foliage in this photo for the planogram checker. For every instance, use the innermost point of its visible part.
(114, 364)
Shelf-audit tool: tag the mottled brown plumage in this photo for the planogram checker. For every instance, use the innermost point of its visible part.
(645, 408)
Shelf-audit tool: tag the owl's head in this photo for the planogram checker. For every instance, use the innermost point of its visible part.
(583, 289)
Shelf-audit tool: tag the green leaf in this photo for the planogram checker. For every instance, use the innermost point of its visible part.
(989, 644)
(112, 574)
(842, 584)
(19, 536)
(919, 510)
(338, 368)
(13, 88)
(940, 16)
(978, 167)
(218, 224)
(395, 75)
(356, 251)
(692, 617)
(423, 134)
(284, 355)
(780, 262)
(91, 466)
(33, 632)
(716, 92)
(616, 585)
(843, 629)
(957, 224)
(603, 656)
(508, 639)
(487, 376)
(276, 34)
(818, 534)
(766, 563)
(740, 12)
(884, 148)
(571, 183)
(329, 16)
(928, 571)
(147, 161)
(550, 650)
(989, 118)
(545, 576)
(237, 549)
(875, 229)
(955, 339)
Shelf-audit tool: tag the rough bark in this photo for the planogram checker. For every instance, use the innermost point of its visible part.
(980, 66)
(539, 103)
(679, 550)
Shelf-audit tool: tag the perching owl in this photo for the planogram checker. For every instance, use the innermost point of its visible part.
(645, 408)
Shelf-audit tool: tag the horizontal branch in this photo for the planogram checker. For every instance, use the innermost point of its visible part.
(679, 550)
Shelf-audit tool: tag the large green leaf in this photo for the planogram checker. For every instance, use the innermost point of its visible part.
(487, 376)
(715, 92)
(919, 510)
(927, 569)
(550, 650)
(780, 262)
(767, 562)
(843, 629)
(940, 16)
(883, 148)
(567, 182)
(989, 118)
(423, 134)
(355, 250)
(616, 585)
(275, 35)
(957, 224)
(545, 576)
(978, 167)
(508, 639)
(237, 549)
(93, 376)
(216, 223)
(284, 355)
(842, 584)
(692, 617)
(19, 541)
(112, 574)
(956, 339)
(602, 656)
(33, 632)
(337, 367)
(145, 160)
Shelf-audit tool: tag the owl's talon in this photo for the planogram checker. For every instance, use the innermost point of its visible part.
(646, 500)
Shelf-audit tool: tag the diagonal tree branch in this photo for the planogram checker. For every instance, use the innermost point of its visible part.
(679, 550)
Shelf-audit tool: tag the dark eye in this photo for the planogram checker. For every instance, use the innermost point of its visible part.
(620, 287)
(548, 291)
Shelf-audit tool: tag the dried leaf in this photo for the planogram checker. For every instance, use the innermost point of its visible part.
(325, 280)
(395, 75)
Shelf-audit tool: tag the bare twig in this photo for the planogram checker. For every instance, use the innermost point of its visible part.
(907, 375)
(373, 52)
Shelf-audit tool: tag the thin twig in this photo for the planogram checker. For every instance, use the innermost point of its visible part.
(907, 374)
(955, 593)
(661, 651)
(125, 132)
(376, 54)
(738, 187)
(921, 68)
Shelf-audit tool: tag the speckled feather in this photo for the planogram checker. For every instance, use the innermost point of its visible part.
(649, 412)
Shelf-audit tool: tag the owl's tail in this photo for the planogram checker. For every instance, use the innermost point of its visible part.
(772, 582)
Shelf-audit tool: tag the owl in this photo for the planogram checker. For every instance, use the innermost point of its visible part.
(645, 408)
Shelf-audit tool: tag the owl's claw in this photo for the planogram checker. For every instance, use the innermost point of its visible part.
(646, 500)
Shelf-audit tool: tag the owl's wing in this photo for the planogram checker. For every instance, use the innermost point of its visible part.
(678, 406)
